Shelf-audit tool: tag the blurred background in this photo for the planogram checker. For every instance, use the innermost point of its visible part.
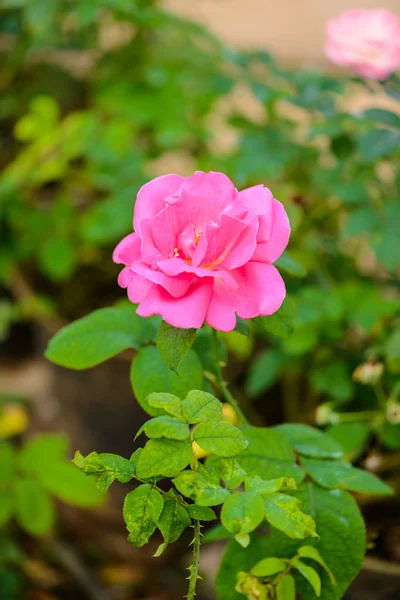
(95, 99)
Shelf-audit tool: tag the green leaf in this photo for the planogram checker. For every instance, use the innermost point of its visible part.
(264, 371)
(105, 468)
(313, 554)
(242, 512)
(241, 326)
(223, 439)
(342, 545)
(333, 380)
(378, 143)
(70, 485)
(163, 457)
(201, 487)
(360, 221)
(34, 509)
(173, 344)
(172, 523)
(235, 560)
(228, 469)
(203, 346)
(283, 512)
(341, 474)
(7, 462)
(268, 455)
(261, 486)
(166, 402)
(382, 116)
(217, 534)
(268, 566)
(286, 588)
(7, 505)
(42, 450)
(57, 258)
(243, 539)
(142, 509)
(99, 336)
(309, 441)
(201, 406)
(149, 374)
(280, 323)
(135, 457)
(353, 438)
(165, 426)
(201, 513)
(287, 263)
(310, 574)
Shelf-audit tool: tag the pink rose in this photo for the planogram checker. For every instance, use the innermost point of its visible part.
(368, 41)
(202, 251)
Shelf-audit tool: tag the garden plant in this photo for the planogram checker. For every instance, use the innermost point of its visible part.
(276, 304)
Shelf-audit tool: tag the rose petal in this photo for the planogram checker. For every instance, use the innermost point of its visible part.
(128, 250)
(175, 266)
(257, 200)
(204, 197)
(177, 285)
(151, 197)
(138, 288)
(221, 312)
(125, 277)
(260, 292)
(270, 251)
(186, 312)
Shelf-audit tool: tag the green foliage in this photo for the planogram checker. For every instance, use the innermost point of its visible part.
(105, 468)
(34, 510)
(72, 165)
(99, 336)
(310, 575)
(163, 457)
(202, 513)
(35, 474)
(165, 426)
(341, 547)
(173, 344)
(268, 566)
(142, 510)
(283, 512)
(172, 523)
(378, 143)
(229, 470)
(353, 437)
(150, 374)
(166, 402)
(202, 486)
(309, 441)
(280, 323)
(285, 590)
(287, 263)
(269, 455)
(242, 512)
(200, 406)
(340, 474)
(221, 439)
(264, 371)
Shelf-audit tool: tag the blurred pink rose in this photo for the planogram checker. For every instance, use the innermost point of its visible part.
(202, 251)
(368, 41)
